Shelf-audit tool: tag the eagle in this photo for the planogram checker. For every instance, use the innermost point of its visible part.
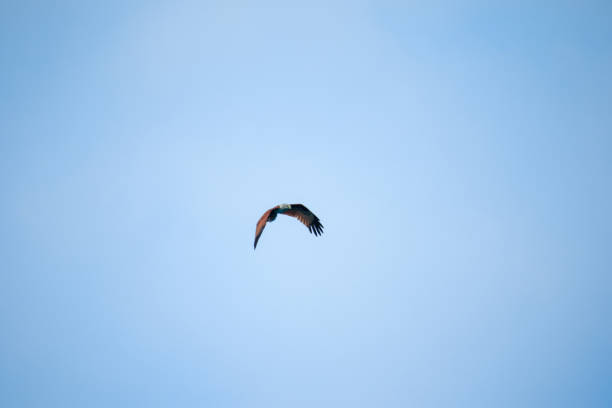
(298, 211)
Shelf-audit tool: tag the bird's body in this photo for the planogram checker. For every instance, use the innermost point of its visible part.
(298, 211)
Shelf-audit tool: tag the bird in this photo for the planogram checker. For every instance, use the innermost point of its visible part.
(298, 211)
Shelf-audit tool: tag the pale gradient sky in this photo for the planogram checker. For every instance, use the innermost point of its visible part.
(459, 155)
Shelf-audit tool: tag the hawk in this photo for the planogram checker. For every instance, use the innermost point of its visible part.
(298, 211)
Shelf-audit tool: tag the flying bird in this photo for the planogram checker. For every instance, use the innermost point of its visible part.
(298, 211)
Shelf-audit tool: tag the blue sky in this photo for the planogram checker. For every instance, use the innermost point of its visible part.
(457, 153)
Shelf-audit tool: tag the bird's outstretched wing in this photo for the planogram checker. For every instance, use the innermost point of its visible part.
(261, 224)
(306, 217)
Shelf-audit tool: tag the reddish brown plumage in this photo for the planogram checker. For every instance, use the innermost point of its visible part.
(261, 224)
(299, 211)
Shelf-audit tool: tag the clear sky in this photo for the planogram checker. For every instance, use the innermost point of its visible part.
(459, 155)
